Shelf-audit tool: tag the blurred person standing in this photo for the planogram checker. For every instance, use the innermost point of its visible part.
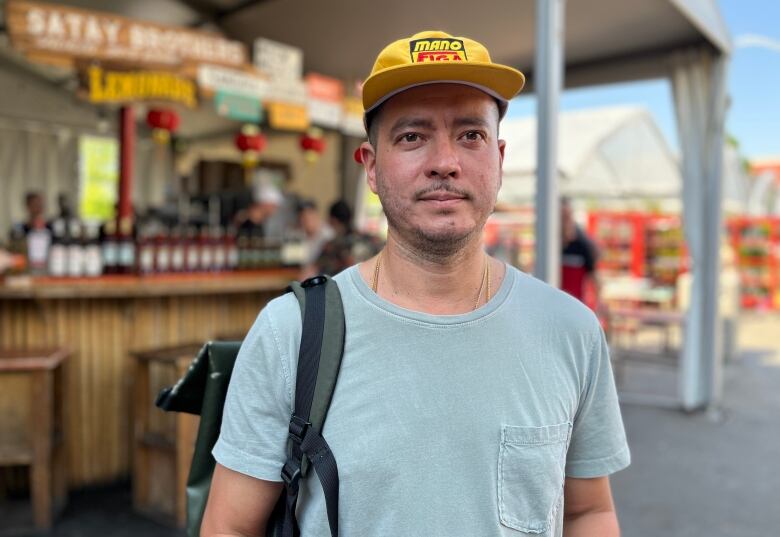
(473, 399)
(281, 207)
(578, 259)
(32, 236)
(36, 214)
(64, 207)
(349, 246)
(254, 220)
(316, 233)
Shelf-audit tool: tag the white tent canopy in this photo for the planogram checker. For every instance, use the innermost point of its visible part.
(615, 152)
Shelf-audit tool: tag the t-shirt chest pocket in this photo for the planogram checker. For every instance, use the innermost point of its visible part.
(531, 470)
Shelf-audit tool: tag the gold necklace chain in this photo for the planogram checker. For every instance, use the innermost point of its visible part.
(482, 284)
(375, 281)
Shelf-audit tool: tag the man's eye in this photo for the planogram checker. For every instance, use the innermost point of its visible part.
(473, 136)
(411, 137)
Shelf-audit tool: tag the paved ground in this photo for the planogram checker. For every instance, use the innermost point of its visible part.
(693, 475)
(714, 474)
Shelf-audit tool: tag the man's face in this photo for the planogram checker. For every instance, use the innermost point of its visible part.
(437, 164)
(310, 221)
(35, 206)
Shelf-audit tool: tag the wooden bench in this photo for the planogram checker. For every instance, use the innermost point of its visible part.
(31, 425)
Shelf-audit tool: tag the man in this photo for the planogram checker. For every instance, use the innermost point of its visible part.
(36, 214)
(349, 246)
(578, 259)
(254, 220)
(316, 234)
(32, 235)
(473, 400)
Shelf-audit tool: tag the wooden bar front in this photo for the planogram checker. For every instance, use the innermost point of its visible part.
(102, 321)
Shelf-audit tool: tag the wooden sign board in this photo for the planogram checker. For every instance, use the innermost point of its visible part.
(58, 34)
(324, 88)
(113, 86)
(212, 79)
(280, 61)
(287, 116)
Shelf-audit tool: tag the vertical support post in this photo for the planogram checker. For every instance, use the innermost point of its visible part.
(548, 80)
(126, 157)
(699, 83)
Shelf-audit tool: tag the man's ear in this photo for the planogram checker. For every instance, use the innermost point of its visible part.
(368, 157)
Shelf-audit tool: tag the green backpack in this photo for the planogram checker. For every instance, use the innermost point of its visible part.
(203, 388)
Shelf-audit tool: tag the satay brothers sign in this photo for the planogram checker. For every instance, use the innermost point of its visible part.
(59, 35)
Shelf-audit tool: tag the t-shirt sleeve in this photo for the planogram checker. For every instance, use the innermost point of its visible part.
(257, 409)
(598, 444)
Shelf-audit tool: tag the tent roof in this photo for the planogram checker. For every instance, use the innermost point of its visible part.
(604, 152)
(606, 40)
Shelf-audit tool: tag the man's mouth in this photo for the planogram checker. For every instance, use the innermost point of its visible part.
(442, 196)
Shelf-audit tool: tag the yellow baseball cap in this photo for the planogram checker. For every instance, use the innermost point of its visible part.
(432, 57)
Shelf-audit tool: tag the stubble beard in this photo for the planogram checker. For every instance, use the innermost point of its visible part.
(435, 246)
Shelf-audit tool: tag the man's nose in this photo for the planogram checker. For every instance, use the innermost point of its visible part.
(444, 162)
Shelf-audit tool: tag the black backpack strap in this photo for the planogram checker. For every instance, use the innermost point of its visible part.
(319, 360)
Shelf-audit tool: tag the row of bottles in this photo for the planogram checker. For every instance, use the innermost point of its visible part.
(159, 249)
(87, 250)
(71, 248)
(74, 249)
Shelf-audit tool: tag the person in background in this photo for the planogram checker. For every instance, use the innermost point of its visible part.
(65, 207)
(349, 246)
(316, 233)
(281, 207)
(254, 220)
(578, 259)
(36, 217)
(32, 237)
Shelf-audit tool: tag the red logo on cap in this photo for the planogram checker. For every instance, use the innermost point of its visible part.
(437, 56)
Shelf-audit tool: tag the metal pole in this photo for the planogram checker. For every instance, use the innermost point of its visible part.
(126, 157)
(548, 80)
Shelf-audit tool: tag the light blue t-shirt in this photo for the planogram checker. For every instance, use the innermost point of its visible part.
(442, 426)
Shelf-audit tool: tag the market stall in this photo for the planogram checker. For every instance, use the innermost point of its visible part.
(160, 134)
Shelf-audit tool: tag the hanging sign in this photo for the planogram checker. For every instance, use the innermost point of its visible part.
(58, 34)
(126, 86)
(288, 91)
(325, 96)
(212, 79)
(324, 113)
(286, 116)
(238, 107)
(324, 88)
(280, 61)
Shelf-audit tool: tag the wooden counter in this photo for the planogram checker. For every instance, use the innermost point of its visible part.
(102, 321)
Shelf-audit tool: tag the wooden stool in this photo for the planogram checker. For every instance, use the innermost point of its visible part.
(31, 425)
(163, 441)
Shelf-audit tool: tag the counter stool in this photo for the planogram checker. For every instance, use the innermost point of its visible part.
(163, 442)
(31, 425)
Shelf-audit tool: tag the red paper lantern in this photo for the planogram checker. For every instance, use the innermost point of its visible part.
(358, 156)
(163, 122)
(251, 142)
(313, 144)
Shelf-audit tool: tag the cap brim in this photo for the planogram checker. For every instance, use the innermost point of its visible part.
(499, 81)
